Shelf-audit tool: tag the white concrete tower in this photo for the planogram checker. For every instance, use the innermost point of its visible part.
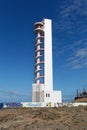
(42, 89)
(48, 68)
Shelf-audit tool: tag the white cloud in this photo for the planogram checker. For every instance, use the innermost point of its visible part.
(71, 25)
(78, 59)
(12, 96)
(85, 81)
(76, 54)
(77, 66)
(81, 53)
(72, 15)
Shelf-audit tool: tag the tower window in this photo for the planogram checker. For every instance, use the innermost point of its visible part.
(48, 95)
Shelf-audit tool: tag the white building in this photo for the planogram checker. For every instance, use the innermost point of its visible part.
(42, 89)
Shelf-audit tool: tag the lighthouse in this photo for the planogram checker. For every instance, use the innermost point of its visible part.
(42, 88)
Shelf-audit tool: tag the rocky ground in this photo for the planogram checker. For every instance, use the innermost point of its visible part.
(62, 118)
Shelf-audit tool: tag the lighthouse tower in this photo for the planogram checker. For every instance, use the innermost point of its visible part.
(42, 89)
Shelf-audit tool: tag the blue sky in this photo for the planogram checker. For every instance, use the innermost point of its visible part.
(69, 22)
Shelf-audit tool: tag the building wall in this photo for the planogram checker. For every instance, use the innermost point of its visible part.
(48, 54)
(38, 93)
(53, 96)
(57, 96)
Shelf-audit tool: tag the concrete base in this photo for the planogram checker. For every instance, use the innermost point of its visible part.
(39, 94)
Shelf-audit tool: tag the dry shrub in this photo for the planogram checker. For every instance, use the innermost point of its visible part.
(85, 108)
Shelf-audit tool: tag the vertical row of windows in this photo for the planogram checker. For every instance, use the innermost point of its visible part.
(47, 94)
(39, 35)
